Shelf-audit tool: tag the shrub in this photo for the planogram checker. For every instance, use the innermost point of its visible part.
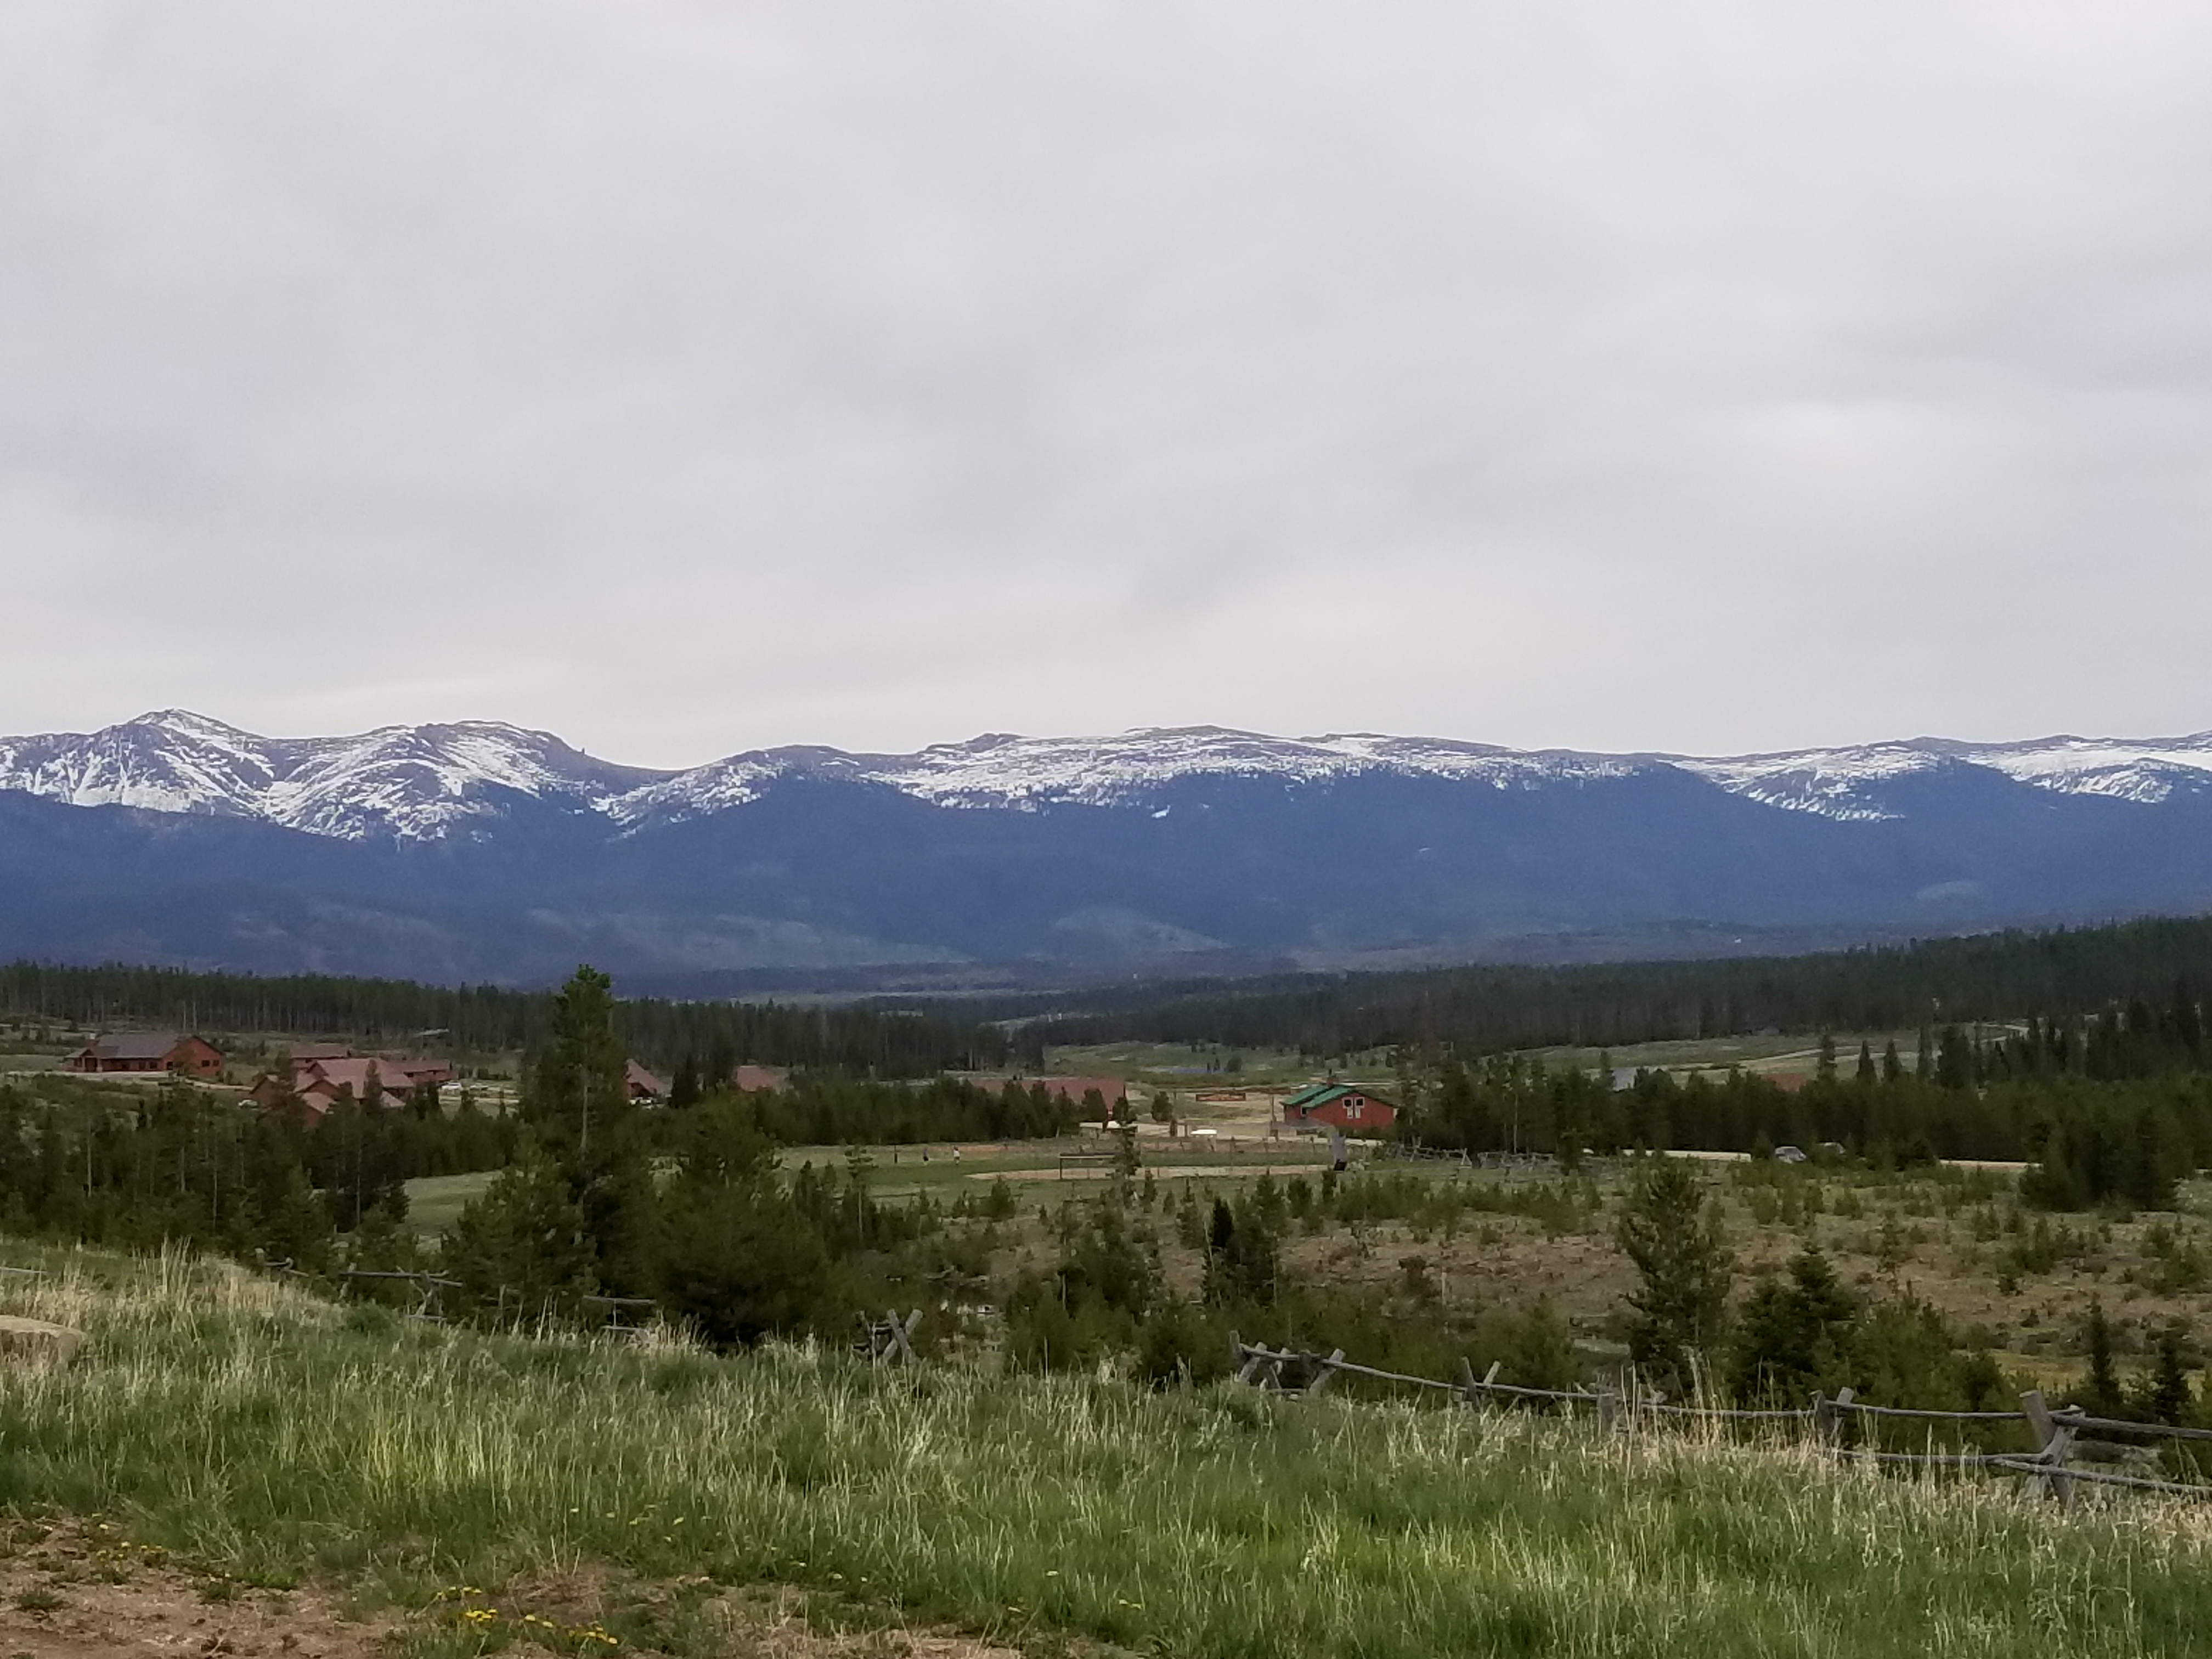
(1181, 1346)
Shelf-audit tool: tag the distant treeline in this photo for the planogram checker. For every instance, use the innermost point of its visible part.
(2114, 1109)
(2063, 974)
(486, 1018)
(177, 1165)
(818, 1111)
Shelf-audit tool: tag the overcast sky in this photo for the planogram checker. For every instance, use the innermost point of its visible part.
(690, 377)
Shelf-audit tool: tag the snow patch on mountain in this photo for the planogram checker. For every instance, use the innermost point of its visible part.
(414, 782)
(1128, 768)
(426, 782)
(2148, 773)
(1846, 783)
(703, 791)
(1831, 783)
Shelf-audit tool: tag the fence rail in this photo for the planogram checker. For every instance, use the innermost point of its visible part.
(2058, 1432)
(888, 1340)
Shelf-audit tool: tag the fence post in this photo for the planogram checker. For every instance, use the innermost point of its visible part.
(1465, 1381)
(1828, 1417)
(1608, 1410)
(1253, 1356)
(2054, 1439)
(1324, 1372)
(900, 1332)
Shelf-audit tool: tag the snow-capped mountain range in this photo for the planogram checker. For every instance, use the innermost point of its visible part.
(413, 781)
(426, 782)
(479, 850)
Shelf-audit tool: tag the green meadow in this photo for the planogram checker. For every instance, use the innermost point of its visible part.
(270, 1438)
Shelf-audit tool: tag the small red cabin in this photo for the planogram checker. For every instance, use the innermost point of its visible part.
(1345, 1106)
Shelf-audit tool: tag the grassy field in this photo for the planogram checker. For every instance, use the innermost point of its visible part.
(1772, 1054)
(1188, 1066)
(2017, 1282)
(901, 1172)
(435, 1202)
(1204, 1066)
(270, 1441)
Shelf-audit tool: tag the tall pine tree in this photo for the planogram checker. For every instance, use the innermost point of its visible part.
(577, 1100)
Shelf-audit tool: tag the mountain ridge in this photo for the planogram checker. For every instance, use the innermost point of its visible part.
(428, 781)
(478, 850)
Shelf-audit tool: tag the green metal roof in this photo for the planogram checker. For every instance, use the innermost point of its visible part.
(1320, 1094)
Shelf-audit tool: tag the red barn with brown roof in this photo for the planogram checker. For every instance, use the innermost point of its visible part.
(148, 1051)
(318, 1080)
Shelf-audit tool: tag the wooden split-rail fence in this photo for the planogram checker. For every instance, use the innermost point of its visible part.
(2062, 1435)
(888, 1340)
(428, 1289)
(627, 1314)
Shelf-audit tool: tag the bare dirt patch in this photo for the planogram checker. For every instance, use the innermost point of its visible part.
(771, 1623)
(82, 1592)
(579, 1612)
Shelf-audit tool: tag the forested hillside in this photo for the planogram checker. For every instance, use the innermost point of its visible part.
(2114, 1109)
(484, 1017)
(2063, 974)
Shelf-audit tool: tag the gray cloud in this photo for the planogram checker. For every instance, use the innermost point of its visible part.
(684, 377)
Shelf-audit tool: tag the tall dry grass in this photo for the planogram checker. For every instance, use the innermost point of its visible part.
(250, 1425)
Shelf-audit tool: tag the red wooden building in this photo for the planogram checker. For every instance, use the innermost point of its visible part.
(1346, 1106)
(148, 1051)
(319, 1075)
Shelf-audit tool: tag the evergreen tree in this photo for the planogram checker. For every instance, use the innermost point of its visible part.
(291, 1224)
(1243, 1257)
(1954, 1067)
(2100, 1388)
(683, 1088)
(518, 1249)
(1794, 1338)
(1540, 1350)
(1684, 1267)
(575, 1081)
(578, 1101)
(2169, 1399)
(744, 1261)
